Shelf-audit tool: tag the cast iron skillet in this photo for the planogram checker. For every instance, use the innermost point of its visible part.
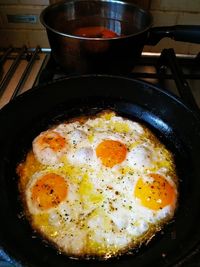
(173, 122)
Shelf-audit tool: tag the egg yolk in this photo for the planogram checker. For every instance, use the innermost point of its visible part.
(111, 152)
(49, 191)
(52, 140)
(156, 193)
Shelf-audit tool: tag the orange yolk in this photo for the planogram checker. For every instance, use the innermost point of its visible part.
(49, 191)
(52, 140)
(111, 152)
(155, 194)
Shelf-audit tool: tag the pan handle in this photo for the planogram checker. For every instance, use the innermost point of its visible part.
(183, 33)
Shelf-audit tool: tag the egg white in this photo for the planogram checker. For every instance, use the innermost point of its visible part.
(101, 215)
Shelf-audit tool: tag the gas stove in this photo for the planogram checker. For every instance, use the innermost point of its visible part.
(22, 69)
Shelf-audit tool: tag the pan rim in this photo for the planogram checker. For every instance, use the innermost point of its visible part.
(171, 95)
(155, 87)
(63, 2)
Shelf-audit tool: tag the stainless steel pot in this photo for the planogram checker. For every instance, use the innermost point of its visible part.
(78, 54)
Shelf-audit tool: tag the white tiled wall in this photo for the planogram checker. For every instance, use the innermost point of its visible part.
(20, 37)
(21, 33)
(172, 12)
(165, 12)
(17, 10)
(25, 2)
(176, 5)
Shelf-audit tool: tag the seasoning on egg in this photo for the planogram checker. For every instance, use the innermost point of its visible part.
(98, 186)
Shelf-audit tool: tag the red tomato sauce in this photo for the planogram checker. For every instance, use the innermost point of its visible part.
(95, 32)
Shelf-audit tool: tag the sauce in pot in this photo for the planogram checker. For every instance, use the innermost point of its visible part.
(95, 32)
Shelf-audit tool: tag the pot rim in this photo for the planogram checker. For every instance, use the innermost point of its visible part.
(64, 2)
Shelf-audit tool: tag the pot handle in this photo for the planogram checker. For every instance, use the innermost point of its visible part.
(183, 33)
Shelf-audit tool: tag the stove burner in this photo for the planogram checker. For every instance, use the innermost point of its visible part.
(160, 69)
(155, 69)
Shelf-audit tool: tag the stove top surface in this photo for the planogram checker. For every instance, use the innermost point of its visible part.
(174, 73)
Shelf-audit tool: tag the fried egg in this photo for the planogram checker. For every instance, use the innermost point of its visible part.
(49, 146)
(98, 186)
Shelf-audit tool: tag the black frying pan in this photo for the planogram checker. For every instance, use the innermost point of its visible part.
(173, 122)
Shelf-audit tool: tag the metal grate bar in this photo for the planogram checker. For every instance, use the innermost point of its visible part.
(25, 73)
(5, 55)
(41, 69)
(168, 57)
(11, 71)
